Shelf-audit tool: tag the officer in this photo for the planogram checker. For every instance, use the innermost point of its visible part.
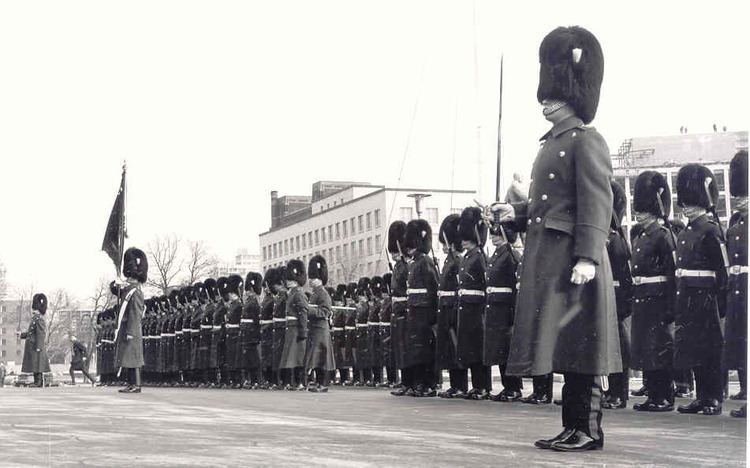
(250, 334)
(396, 246)
(233, 352)
(386, 315)
(167, 339)
(295, 342)
(362, 358)
(266, 329)
(701, 278)
(338, 334)
(373, 331)
(319, 355)
(618, 251)
(282, 379)
(421, 311)
(446, 337)
(128, 338)
(472, 230)
(566, 320)
(185, 335)
(735, 348)
(35, 360)
(79, 361)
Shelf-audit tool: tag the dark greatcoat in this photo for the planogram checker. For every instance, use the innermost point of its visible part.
(560, 326)
(154, 331)
(319, 353)
(373, 333)
(499, 309)
(338, 336)
(295, 341)
(232, 351)
(250, 334)
(129, 353)
(217, 353)
(279, 327)
(471, 277)
(206, 336)
(700, 301)
(79, 357)
(735, 348)
(179, 341)
(195, 336)
(148, 346)
(99, 336)
(168, 339)
(398, 312)
(421, 311)
(361, 349)
(619, 258)
(385, 333)
(35, 358)
(446, 338)
(350, 334)
(266, 331)
(108, 344)
(653, 303)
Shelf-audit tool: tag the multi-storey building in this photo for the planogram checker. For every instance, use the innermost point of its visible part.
(243, 263)
(347, 223)
(14, 316)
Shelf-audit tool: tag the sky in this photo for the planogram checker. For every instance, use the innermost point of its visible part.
(215, 104)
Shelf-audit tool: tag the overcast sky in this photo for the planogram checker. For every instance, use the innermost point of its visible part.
(215, 104)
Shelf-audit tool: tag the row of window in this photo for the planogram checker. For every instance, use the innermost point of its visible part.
(343, 273)
(5, 354)
(354, 249)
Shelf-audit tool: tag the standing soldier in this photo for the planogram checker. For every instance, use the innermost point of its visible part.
(362, 358)
(565, 314)
(128, 338)
(266, 330)
(447, 337)
(233, 352)
(319, 353)
(207, 320)
(168, 339)
(701, 290)
(217, 355)
(373, 331)
(386, 314)
(187, 313)
(652, 348)
(421, 311)
(250, 332)
(179, 337)
(736, 323)
(338, 334)
(199, 290)
(281, 379)
(35, 359)
(79, 361)
(396, 246)
(619, 257)
(500, 308)
(350, 332)
(472, 231)
(295, 341)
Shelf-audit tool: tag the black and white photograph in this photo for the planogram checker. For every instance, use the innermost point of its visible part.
(348, 233)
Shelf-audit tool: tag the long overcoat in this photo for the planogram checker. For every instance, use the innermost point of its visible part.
(338, 335)
(735, 348)
(446, 338)
(560, 326)
(35, 348)
(233, 353)
(279, 327)
(421, 311)
(129, 352)
(266, 331)
(361, 348)
(386, 313)
(619, 257)
(499, 309)
(471, 302)
(398, 312)
(206, 336)
(319, 353)
(295, 341)
(373, 333)
(250, 334)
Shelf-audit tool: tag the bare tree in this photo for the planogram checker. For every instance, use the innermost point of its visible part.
(199, 262)
(59, 324)
(23, 308)
(100, 299)
(164, 262)
(349, 268)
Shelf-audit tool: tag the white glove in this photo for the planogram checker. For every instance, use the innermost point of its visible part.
(129, 337)
(503, 211)
(583, 272)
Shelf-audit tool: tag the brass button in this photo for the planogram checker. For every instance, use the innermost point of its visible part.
(573, 135)
(551, 176)
(538, 220)
(544, 197)
(562, 154)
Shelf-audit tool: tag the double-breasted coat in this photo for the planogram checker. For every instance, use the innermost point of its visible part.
(421, 310)
(266, 331)
(232, 342)
(446, 337)
(129, 352)
(560, 326)
(736, 318)
(295, 341)
(386, 313)
(362, 354)
(619, 258)
(398, 312)
(471, 300)
(319, 353)
(373, 333)
(195, 336)
(206, 335)
(217, 353)
(338, 335)
(279, 326)
(250, 333)
(350, 334)
(35, 358)
(501, 282)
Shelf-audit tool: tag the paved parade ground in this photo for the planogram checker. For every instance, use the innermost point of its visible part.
(84, 426)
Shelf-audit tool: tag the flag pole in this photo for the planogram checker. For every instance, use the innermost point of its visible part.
(498, 174)
(123, 228)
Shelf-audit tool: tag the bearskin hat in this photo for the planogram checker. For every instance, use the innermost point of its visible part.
(235, 284)
(173, 297)
(295, 271)
(419, 235)
(387, 278)
(135, 265)
(222, 285)
(163, 302)
(376, 285)
(199, 291)
(330, 290)
(39, 303)
(270, 277)
(396, 237)
(691, 189)
(363, 287)
(448, 234)
(212, 288)
(738, 175)
(571, 70)
(470, 224)
(318, 269)
(254, 282)
(340, 293)
(186, 294)
(647, 187)
(619, 200)
(351, 291)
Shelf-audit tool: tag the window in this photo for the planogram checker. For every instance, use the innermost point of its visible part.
(345, 230)
(274, 251)
(296, 242)
(432, 215)
(346, 250)
(378, 245)
(360, 224)
(719, 180)
(369, 269)
(354, 249)
(330, 254)
(369, 246)
(264, 254)
(323, 236)
(338, 231)
(368, 220)
(330, 232)
(291, 245)
(338, 252)
(361, 248)
(378, 265)
(304, 241)
(309, 240)
(377, 218)
(354, 229)
(406, 213)
(317, 237)
(286, 247)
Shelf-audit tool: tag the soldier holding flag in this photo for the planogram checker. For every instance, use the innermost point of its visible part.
(128, 338)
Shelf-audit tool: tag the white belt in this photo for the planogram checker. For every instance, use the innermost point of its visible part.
(373, 324)
(398, 299)
(337, 329)
(108, 341)
(185, 330)
(195, 330)
(695, 273)
(350, 328)
(232, 325)
(343, 308)
(247, 321)
(446, 293)
(276, 319)
(499, 290)
(265, 322)
(470, 292)
(737, 270)
(146, 337)
(616, 284)
(385, 324)
(417, 291)
(178, 332)
(649, 279)
(290, 318)
(216, 327)
(167, 335)
(361, 325)
(206, 327)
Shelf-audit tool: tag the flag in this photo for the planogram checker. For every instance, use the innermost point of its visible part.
(114, 237)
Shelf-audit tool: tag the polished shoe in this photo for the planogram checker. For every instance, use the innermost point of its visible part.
(134, 389)
(614, 403)
(578, 442)
(425, 392)
(370, 384)
(712, 408)
(640, 392)
(507, 396)
(448, 393)
(694, 407)
(654, 406)
(400, 391)
(348, 383)
(319, 389)
(358, 384)
(739, 413)
(126, 389)
(460, 394)
(683, 394)
(411, 392)
(558, 401)
(480, 394)
(742, 395)
(535, 399)
(383, 385)
(547, 443)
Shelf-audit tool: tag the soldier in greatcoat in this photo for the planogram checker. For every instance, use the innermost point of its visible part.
(735, 348)
(373, 331)
(350, 333)
(653, 286)
(35, 360)
(283, 379)
(250, 335)
(217, 354)
(179, 338)
(266, 330)
(386, 316)
(338, 334)
(185, 297)
(207, 366)
(199, 291)
(361, 349)
(701, 279)
(421, 311)
(295, 341)
(232, 346)
(128, 338)
(566, 319)
(396, 249)
(319, 355)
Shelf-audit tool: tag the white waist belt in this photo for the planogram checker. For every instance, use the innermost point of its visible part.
(737, 270)
(290, 318)
(446, 293)
(167, 335)
(398, 299)
(206, 327)
(361, 325)
(247, 321)
(178, 332)
(265, 322)
(233, 325)
(417, 291)
(470, 292)
(337, 329)
(108, 341)
(499, 290)
(196, 330)
(373, 324)
(216, 327)
(350, 328)
(186, 330)
(649, 279)
(616, 284)
(276, 319)
(385, 324)
(681, 272)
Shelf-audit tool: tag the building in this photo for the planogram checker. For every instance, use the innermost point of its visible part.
(242, 264)
(347, 223)
(14, 316)
(666, 154)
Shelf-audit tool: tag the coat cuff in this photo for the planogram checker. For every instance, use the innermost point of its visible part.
(522, 215)
(589, 243)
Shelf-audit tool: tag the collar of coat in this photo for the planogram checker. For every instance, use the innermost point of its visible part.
(561, 127)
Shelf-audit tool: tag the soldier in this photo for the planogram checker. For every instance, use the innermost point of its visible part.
(319, 353)
(396, 246)
(206, 296)
(735, 348)
(421, 312)
(373, 331)
(362, 358)
(167, 339)
(250, 332)
(266, 330)
(233, 353)
(653, 291)
(185, 350)
(35, 360)
(565, 314)
(701, 278)
(179, 337)
(196, 315)
(128, 338)
(499, 310)
(295, 341)
(283, 379)
(216, 355)
(472, 231)
(619, 257)
(350, 333)
(447, 338)
(79, 361)
(386, 314)
(338, 334)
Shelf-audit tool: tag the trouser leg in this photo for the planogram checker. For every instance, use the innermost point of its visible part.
(510, 382)
(659, 385)
(581, 407)
(428, 375)
(73, 377)
(344, 372)
(542, 384)
(480, 377)
(377, 374)
(459, 379)
(391, 375)
(742, 376)
(86, 375)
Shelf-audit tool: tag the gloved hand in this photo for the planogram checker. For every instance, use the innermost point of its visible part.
(583, 272)
(129, 337)
(502, 212)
